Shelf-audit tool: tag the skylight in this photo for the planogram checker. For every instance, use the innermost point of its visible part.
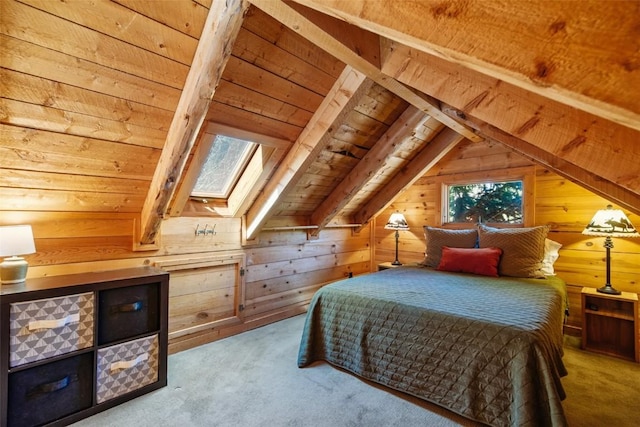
(225, 162)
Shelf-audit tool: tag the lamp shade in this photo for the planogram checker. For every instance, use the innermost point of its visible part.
(397, 222)
(16, 240)
(612, 223)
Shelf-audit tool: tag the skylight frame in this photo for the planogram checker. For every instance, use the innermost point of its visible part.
(232, 178)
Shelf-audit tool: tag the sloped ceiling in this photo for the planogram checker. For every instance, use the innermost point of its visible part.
(354, 100)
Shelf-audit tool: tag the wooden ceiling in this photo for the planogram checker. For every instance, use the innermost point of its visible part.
(109, 106)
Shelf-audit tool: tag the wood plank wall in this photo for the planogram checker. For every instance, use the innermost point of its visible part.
(282, 271)
(285, 268)
(563, 205)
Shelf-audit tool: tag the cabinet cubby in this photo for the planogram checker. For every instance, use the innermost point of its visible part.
(75, 345)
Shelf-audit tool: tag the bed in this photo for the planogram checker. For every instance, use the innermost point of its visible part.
(487, 348)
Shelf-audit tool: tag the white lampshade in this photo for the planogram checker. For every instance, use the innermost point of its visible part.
(15, 240)
(397, 222)
(610, 222)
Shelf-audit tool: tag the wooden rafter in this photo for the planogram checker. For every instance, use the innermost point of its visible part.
(581, 56)
(606, 189)
(589, 142)
(371, 163)
(346, 92)
(425, 160)
(364, 43)
(220, 30)
(307, 29)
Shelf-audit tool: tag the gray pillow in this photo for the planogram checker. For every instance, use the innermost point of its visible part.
(522, 249)
(438, 237)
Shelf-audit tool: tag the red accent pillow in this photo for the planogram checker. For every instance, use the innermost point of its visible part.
(482, 261)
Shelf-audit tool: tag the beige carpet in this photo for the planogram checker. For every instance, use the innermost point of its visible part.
(601, 390)
(252, 380)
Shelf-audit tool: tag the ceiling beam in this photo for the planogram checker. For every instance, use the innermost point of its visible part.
(437, 148)
(219, 33)
(375, 160)
(585, 55)
(603, 147)
(603, 188)
(307, 29)
(350, 87)
(364, 43)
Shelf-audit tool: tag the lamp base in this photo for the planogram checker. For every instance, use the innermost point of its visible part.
(396, 262)
(13, 270)
(608, 289)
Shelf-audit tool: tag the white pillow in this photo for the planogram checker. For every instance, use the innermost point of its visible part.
(550, 256)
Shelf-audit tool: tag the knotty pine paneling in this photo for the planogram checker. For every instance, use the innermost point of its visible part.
(179, 235)
(28, 179)
(560, 203)
(45, 30)
(39, 61)
(254, 49)
(131, 27)
(189, 20)
(281, 275)
(88, 95)
(273, 287)
(238, 96)
(247, 74)
(258, 22)
(244, 120)
(202, 295)
(25, 115)
(24, 149)
(282, 271)
(67, 97)
(26, 199)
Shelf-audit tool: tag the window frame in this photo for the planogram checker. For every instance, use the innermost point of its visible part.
(446, 209)
(524, 174)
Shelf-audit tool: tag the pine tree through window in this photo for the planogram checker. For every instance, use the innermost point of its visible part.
(488, 202)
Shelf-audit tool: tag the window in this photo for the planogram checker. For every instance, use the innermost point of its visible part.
(488, 202)
(225, 162)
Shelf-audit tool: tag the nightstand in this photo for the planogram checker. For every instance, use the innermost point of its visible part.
(610, 324)
(386, 265)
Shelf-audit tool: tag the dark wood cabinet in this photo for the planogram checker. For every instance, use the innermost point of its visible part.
(610, 324)
(75, 345)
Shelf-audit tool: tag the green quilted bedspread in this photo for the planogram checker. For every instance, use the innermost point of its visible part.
(489, 349)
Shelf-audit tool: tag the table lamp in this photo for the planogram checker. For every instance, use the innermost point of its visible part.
(397, 222)
(610, 223)
(15, 240)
